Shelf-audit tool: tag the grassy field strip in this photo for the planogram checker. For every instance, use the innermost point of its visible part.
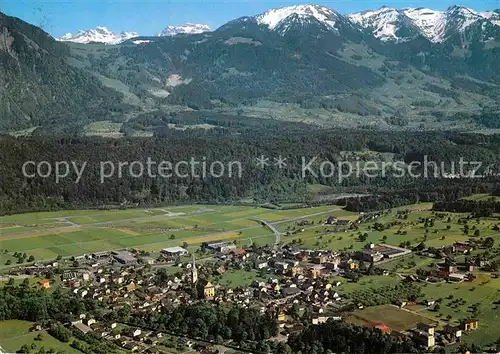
(35, 234)
(49, 215)
(76, 248)
(119, 236)
(102, 241)
(43, 232)
(394, 317)
(153, 247)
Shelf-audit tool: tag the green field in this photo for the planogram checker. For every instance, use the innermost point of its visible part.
(14, 334)
(236, 277)
(87, 231)
(483, 292)
(397, 319)
(483, 197)
(47, 235)
(411, 229)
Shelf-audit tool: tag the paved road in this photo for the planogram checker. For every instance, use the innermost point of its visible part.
(277, 234)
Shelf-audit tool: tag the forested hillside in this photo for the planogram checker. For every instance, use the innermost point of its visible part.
(38, 87)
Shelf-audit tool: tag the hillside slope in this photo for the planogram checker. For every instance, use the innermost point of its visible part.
(38, 87)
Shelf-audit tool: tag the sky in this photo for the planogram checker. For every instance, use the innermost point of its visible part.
(148, 17)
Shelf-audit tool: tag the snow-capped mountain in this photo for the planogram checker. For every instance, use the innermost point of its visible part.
(187, 28)
(436, 26)
(283, 18)
(98, 35)
(386, 24)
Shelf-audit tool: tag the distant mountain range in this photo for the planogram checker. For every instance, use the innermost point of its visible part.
(103, 35)
(386, 23)
(98, 35)
(397, 69)
(187, 28)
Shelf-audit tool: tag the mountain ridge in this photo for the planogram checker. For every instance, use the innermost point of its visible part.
(386, 23)
(436, 26)
(315, 66)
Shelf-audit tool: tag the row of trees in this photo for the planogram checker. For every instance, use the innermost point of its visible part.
(477, 207)
(444, 192)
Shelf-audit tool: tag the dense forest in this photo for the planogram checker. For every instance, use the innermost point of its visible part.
(212, 323)
(90, 183)
(340, 337)
(445, 191)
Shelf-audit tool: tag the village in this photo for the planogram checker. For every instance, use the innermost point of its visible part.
(297, 285)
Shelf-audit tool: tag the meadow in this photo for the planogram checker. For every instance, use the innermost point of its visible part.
(483, 294)
(15, 334)
(47, 235)
(395, 318)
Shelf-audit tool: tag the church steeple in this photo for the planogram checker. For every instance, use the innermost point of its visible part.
(194, 271)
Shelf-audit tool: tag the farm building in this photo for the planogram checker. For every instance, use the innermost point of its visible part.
(82, 327)
(376, 253)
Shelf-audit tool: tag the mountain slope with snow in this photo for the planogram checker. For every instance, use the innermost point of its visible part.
(436, 26)
(284, 18)
(98, 35)
(493, 16)
(386, 24)
(187, 28)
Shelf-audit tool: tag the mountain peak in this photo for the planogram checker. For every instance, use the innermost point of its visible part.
(100, 34)
(187, 28)
(102, 29)
(272, 18)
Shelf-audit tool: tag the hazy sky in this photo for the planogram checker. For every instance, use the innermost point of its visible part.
(148, 17)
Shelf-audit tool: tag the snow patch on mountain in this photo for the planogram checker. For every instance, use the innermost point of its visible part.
(187, 28)
(384, 22)
(98, 35)
(141, 41)
(432, 23)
